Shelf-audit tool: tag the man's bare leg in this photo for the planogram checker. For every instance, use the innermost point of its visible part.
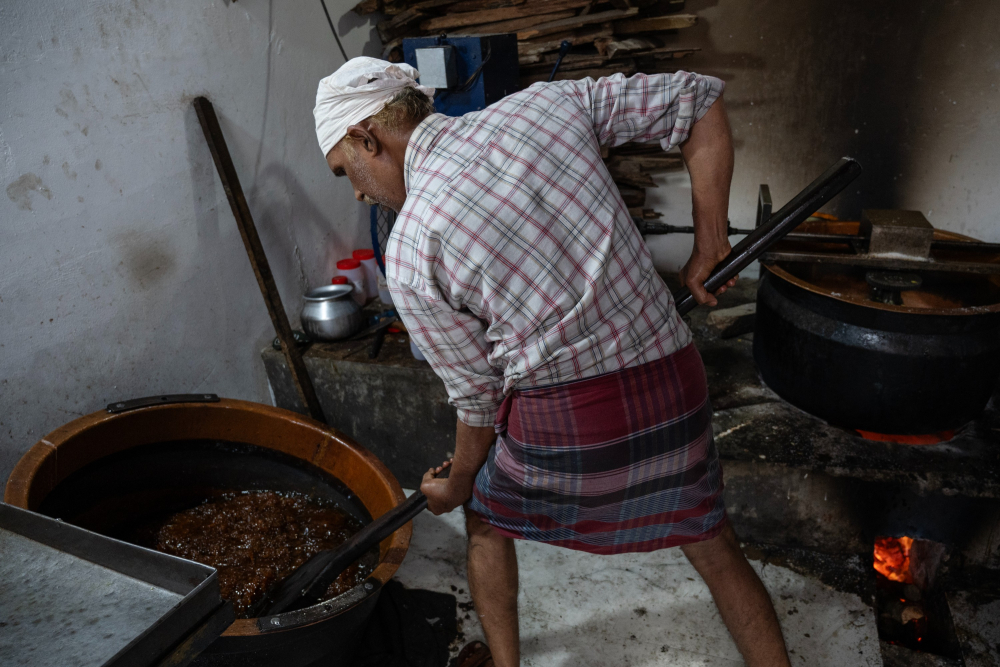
(742, 600)
(492, 564)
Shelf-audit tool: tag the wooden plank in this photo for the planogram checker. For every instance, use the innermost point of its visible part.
(644, 213)
(660, 6)
(368, 7)
(398, 25)
(552, 42)
(668, 53)
(480, 5)
(458, 20)
(626, 67)
(576, 22)
(651, 162)
(513, 25)
(433, 5)
(610, 47)
(655, 24)
(393, 7)
(255, 251)
(636, 148)
(630, 175)
(570, 62)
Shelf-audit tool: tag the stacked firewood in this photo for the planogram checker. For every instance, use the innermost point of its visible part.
(606, 37)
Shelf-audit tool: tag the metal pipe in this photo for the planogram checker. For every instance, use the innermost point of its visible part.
(791, 215)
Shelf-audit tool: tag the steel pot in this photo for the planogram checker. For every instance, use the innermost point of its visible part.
(331, 313)
(928, 365)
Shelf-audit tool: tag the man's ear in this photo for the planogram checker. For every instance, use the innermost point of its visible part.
(365, 139)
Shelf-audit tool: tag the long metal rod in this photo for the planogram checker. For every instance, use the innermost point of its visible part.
(255, 251)
(817, 193)
(652, 227)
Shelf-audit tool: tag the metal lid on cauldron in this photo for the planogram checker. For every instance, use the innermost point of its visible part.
(910, 291)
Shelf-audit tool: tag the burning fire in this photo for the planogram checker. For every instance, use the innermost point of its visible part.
(892, 558)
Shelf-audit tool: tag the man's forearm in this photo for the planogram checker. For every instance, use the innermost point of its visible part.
(708, 154)
(472, 446)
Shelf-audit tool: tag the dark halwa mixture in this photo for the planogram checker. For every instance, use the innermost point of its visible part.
(256, 538)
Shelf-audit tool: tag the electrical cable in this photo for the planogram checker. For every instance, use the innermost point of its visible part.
(334, 30)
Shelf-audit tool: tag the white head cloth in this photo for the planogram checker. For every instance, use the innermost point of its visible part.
(359, 89)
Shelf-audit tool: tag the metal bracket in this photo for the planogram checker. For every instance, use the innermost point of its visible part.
(149, 401)
(320, 610)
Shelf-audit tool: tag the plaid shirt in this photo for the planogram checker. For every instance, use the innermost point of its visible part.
(514, 262)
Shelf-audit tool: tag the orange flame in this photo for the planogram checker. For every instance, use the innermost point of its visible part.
(892, 558)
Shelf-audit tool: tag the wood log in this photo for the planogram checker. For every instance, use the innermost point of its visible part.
(634, 26)
(514, 25)
(575, 22)
(458, 20)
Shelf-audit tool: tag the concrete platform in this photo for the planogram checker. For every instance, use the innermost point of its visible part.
(582, 610)
(791, 479)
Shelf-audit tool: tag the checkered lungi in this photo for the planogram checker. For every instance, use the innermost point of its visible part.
(616, 463)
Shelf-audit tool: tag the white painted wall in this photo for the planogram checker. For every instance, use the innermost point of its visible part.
(122, 273)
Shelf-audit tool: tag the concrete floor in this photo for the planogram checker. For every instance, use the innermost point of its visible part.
(647, 610)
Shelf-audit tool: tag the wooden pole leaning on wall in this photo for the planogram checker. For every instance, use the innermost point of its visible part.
(258, 260)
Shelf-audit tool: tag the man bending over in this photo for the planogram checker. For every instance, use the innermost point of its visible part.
(583, 414)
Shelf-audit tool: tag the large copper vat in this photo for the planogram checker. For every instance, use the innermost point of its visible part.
(102, 470)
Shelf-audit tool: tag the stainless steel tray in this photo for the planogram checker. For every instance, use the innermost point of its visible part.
(73, 598)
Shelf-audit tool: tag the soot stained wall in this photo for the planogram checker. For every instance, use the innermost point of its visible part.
(911, 88)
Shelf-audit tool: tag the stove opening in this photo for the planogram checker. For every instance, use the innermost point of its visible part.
(912, 612)
(892, 558)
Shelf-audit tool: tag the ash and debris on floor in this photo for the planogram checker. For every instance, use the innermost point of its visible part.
(648, 609)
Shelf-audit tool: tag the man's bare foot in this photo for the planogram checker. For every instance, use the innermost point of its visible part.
(475, 654)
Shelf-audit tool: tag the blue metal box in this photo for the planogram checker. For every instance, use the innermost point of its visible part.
(486, 65)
